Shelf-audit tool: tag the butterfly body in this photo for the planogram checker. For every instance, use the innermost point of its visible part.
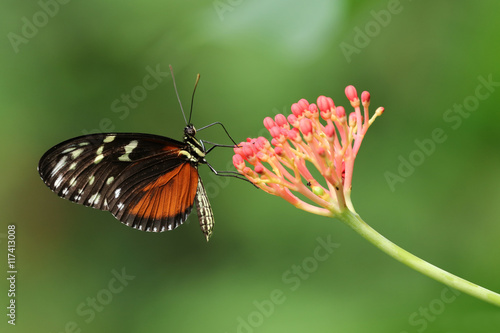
(146, 181)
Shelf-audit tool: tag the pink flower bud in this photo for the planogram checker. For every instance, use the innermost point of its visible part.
(258, 145)
(281, 120)
(322, 103)
(313, 108)
(275, 131)
(325, 103)
(248, 152)
(304, 104)
(292, 135)
(269, 123)
(329, 130)
(306, 126)
(351, 93)
(293, 120)
(340, 111)
(365, 97)
(261, 143)
(259, 168)
(238, 162)
(278, 151)
(297, 110)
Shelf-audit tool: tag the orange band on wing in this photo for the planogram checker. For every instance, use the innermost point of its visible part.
(169, 195)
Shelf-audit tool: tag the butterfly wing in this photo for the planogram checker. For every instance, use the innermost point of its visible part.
(144, 180)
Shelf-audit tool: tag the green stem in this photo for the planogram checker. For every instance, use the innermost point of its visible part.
(422, 266)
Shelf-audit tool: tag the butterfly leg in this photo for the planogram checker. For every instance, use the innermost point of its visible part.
(219, 123)
(202, 143)
(233, 174)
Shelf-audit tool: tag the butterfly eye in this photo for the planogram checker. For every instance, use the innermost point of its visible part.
(190, 131)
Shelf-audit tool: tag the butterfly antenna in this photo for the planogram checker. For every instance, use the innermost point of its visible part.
(192, 97)
(177, 93)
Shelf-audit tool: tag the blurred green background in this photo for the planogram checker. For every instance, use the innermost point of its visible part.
(61, 77)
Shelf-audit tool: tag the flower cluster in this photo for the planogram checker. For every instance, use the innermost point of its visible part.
(321, 135)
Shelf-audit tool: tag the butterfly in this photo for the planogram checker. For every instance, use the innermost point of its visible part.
(148, 182)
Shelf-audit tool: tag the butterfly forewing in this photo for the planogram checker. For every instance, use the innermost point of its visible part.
(144, 180)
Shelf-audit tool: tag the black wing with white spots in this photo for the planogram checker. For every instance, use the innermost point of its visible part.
(146, 181)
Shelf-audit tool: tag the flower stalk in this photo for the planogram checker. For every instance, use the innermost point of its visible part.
(323, 136)
(354, 221)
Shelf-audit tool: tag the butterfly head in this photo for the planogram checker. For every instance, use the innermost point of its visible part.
(189, 131)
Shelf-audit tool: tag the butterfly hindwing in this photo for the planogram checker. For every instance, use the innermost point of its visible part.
(163, 204)
(144, 180)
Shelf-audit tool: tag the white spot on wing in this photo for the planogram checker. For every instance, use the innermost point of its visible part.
(128, 149)
(59, 165)
(120, 206)
(67, 150)
(98, 158)
(65, 191)
(76, 153)
(117, 192)
(100, 150)
(110, 180)
(109, 138)
(91, 180)
(94, 199)
(58, 181)
(72, 182)
(81, 144)
(72, 166)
